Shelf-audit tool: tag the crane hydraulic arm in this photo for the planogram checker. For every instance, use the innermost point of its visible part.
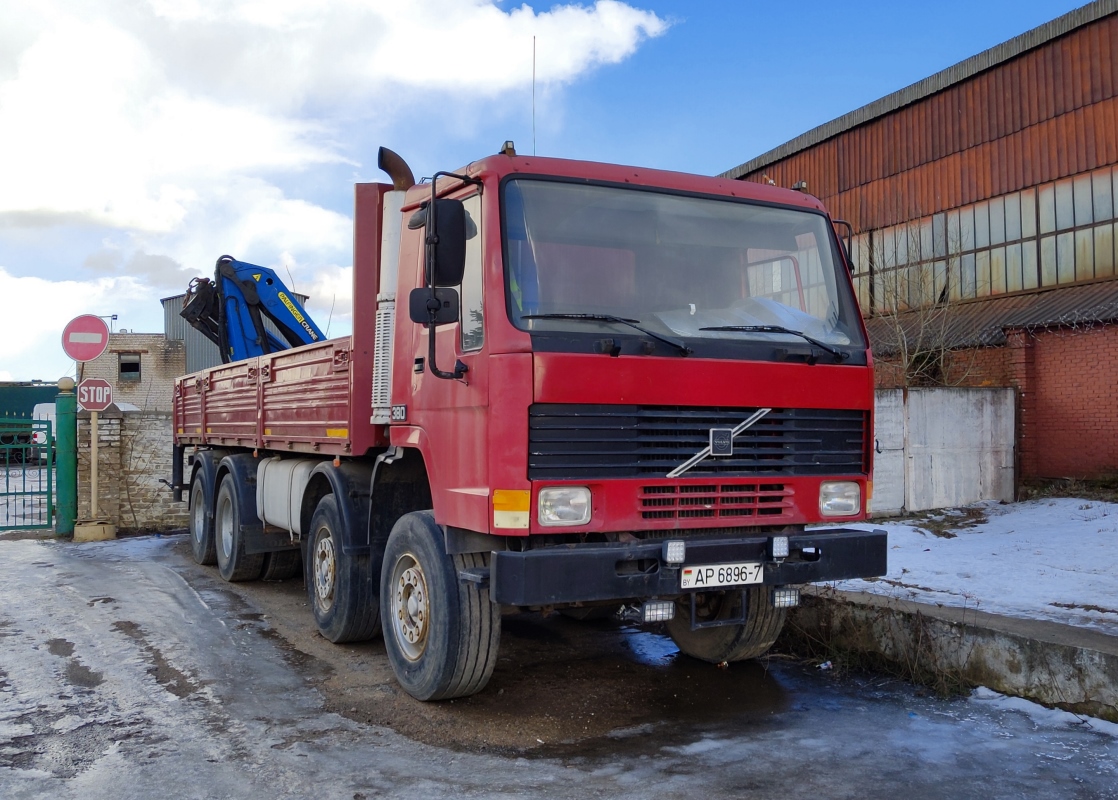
(230, 311)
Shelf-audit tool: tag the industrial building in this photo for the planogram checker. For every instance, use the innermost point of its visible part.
(983, 202)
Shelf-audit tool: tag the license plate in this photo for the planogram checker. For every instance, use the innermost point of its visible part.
(702, 576)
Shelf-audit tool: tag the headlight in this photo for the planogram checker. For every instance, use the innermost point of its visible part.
(839, 499)
(565, 505)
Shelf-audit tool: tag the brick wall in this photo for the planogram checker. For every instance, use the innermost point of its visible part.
(1075, 414)
(134, 452)
(1067, 396)
(978, 367)
(161, 361)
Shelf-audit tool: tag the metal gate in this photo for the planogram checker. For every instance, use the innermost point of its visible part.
(26, 474)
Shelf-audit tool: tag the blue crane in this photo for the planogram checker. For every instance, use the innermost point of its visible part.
(230, 311)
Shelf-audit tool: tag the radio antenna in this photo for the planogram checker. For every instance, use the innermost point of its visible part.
(533, 95)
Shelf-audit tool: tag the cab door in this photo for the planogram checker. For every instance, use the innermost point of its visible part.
(453, 414)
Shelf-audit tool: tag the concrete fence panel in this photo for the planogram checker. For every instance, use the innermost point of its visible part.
(956, 447)
(888, 457)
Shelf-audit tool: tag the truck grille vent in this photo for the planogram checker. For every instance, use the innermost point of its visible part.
(718, 501)
(382, 363)
(586, 442)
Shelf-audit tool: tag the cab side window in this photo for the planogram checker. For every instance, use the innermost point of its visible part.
(473, 313)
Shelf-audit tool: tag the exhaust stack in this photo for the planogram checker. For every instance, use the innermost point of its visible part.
(402, 180)
(397, 169)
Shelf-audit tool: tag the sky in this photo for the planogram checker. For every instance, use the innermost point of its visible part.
(142, 139)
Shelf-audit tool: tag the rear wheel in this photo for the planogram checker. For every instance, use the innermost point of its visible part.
(727, 642)
(441, 633)
(281, 565)
(342, 589)
(233, 562)
(201, 523)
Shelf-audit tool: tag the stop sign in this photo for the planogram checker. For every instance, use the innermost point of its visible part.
(95, 394)
(85, 338)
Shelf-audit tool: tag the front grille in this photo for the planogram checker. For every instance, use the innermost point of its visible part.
(585, 442)
(717, 501)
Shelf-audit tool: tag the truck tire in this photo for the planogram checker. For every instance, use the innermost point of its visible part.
(341, 588)
(201, 523)
(233, 562)
(281, 565)
(727, 642)
(441, 633)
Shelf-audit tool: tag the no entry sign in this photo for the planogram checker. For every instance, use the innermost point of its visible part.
(85, 338)
(95, 394)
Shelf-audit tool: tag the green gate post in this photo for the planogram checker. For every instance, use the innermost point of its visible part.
(66, 447)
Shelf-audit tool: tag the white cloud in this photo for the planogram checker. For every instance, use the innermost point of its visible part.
(184, 129)
(38, 309)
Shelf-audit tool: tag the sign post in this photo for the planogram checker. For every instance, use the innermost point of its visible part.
(94, 395)
(85, 338)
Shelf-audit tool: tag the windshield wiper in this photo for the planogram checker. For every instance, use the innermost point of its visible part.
(839, 355)
(680, 345)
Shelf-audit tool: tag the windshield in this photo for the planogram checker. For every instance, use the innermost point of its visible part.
(677, 264)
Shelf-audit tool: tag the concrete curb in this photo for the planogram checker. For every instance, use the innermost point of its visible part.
(1057, 665)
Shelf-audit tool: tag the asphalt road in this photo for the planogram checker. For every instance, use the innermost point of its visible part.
(128, 671)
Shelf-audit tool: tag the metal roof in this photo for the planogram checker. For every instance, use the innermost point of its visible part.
(983, 323)
(936, 83)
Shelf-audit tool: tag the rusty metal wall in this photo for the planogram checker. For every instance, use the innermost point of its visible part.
(1045, 114)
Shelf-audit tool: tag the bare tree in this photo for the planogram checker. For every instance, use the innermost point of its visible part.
(915, 274)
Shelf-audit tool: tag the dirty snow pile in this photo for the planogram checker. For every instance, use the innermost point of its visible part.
(1051, 559)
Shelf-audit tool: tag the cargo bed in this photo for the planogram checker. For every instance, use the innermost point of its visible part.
(297, 400)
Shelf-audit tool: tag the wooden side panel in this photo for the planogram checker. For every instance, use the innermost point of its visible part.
(297, 401)
(229, 404)
(305, 398)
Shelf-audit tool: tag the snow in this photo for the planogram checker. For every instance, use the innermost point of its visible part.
(1041, 716)
(1050, 559)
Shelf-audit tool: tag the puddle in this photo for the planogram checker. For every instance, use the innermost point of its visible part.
(60, 647)
(165, 673)
(650, 648)
(78, 674)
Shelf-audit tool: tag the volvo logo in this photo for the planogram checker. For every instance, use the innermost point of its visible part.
(721, 443)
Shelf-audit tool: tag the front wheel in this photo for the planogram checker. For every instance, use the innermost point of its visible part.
(441, 633)
(733, 642)
(341, 588)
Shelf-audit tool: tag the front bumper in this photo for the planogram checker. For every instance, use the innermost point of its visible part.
(590, 572)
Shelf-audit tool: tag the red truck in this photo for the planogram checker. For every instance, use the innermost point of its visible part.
(569, 385)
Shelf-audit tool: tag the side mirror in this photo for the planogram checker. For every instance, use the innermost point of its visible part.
(445, 304)
(447, 259)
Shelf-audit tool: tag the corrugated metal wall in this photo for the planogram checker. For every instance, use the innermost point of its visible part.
(201, 353)
(1046, 114)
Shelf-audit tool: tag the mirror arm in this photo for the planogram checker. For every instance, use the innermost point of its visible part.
(460, 369)
(432, 239)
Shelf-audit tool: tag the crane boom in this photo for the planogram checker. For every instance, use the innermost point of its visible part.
(230, 311)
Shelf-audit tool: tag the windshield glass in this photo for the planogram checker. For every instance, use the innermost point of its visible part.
(677, 264)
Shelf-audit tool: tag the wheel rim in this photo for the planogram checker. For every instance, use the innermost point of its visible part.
(198, 515)
(225, 526)
(411, 606)
(325, 570)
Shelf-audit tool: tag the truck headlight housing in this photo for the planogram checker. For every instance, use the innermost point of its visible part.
(564, 505)
(839, 498)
